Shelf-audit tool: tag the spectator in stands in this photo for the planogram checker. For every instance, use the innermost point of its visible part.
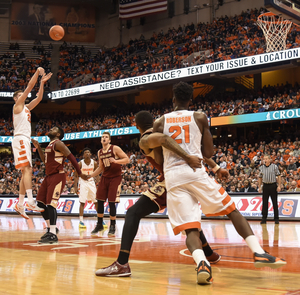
(294, 187)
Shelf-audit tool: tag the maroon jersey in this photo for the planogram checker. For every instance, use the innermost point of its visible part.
(54, 160)
(110, 169)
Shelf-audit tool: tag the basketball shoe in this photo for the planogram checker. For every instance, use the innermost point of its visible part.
(33, 207)
(204, 273)
(112, 230)
(214, 258)
(48, 230)
(49, 238)
(99, 227)
(82, 225)
(267, 260)
(114, 270)
(21, 210)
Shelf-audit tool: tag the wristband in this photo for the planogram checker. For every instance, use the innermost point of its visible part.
(74, 163)
(215, 169)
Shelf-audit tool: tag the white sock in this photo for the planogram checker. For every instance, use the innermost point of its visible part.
(198, 256)
(21, 199)
(254, 245)
(53, 229)
(29, 196)
(81, 218)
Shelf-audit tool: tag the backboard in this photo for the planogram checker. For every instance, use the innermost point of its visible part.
(287, 9)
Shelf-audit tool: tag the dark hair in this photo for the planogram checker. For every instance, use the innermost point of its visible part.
(144, 120)
(17, 92)
(106, 132)
(183, 92)
(61, 132)
(86, 149)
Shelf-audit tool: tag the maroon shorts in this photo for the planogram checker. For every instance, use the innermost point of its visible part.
(51, 188)
(109, 188)
(157, 194)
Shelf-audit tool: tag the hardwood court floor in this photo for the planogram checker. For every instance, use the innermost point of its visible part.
(160, 262)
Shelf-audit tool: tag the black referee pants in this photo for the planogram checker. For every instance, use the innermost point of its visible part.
(269, 190)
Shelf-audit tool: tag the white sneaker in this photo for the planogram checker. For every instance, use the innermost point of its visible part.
(21, 210)
(34, 207)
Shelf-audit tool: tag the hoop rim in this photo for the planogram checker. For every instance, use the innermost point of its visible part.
(283, 21)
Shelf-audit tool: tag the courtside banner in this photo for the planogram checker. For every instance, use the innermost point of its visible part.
(226, 65)
(249, 205)
(69, 204)
(257, 117)
(81, 135)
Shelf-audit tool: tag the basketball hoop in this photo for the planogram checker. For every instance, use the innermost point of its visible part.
(275, 29)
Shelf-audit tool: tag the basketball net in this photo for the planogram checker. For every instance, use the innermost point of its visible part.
(275, 29)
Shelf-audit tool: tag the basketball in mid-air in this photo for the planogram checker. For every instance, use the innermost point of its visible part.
(56, 32)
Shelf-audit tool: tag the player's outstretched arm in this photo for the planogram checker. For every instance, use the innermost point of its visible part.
(61, 147)
(22, 98)
(98, 170)
(38, 147)
(159, 139)
(39, 97)
(76, 177)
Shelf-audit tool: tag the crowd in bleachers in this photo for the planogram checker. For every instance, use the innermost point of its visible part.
(16, 69)
(225, 38)
(242, 160)
(267, 99)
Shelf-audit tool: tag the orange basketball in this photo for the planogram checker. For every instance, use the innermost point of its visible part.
(56, 32)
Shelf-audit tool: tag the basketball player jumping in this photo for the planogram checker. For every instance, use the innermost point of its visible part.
(111, 157)
(55, 180)
(186, 188)
(154, 199)
(86, 189)
(21, 141)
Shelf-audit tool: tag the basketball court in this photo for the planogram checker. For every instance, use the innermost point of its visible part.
(160, 262)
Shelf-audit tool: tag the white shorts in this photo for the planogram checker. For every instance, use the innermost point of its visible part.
(87, 191)
(183, 202)
(22, 151)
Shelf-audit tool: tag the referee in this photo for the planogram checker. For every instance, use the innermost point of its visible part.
(267, 183)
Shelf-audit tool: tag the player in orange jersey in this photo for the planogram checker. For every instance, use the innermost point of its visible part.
(185, 188)
(21, 141)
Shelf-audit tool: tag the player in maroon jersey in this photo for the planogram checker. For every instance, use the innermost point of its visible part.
(154, 199)
(55, 180)
(111, 157)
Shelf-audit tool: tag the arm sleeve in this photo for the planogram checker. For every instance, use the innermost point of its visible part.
(74, 163)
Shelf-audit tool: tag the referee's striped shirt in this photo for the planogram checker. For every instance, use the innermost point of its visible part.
(269, 173)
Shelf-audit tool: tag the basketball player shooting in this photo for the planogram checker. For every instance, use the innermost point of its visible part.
(21, 141)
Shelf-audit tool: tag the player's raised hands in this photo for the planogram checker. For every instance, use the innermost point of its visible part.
(194, 162)
(41, 71)
(45, 77)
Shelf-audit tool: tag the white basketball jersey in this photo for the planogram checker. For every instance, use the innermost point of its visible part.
(181, 126)
(22, 123)
(87, 169)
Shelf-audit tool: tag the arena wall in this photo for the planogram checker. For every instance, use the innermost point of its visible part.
(108, 27)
